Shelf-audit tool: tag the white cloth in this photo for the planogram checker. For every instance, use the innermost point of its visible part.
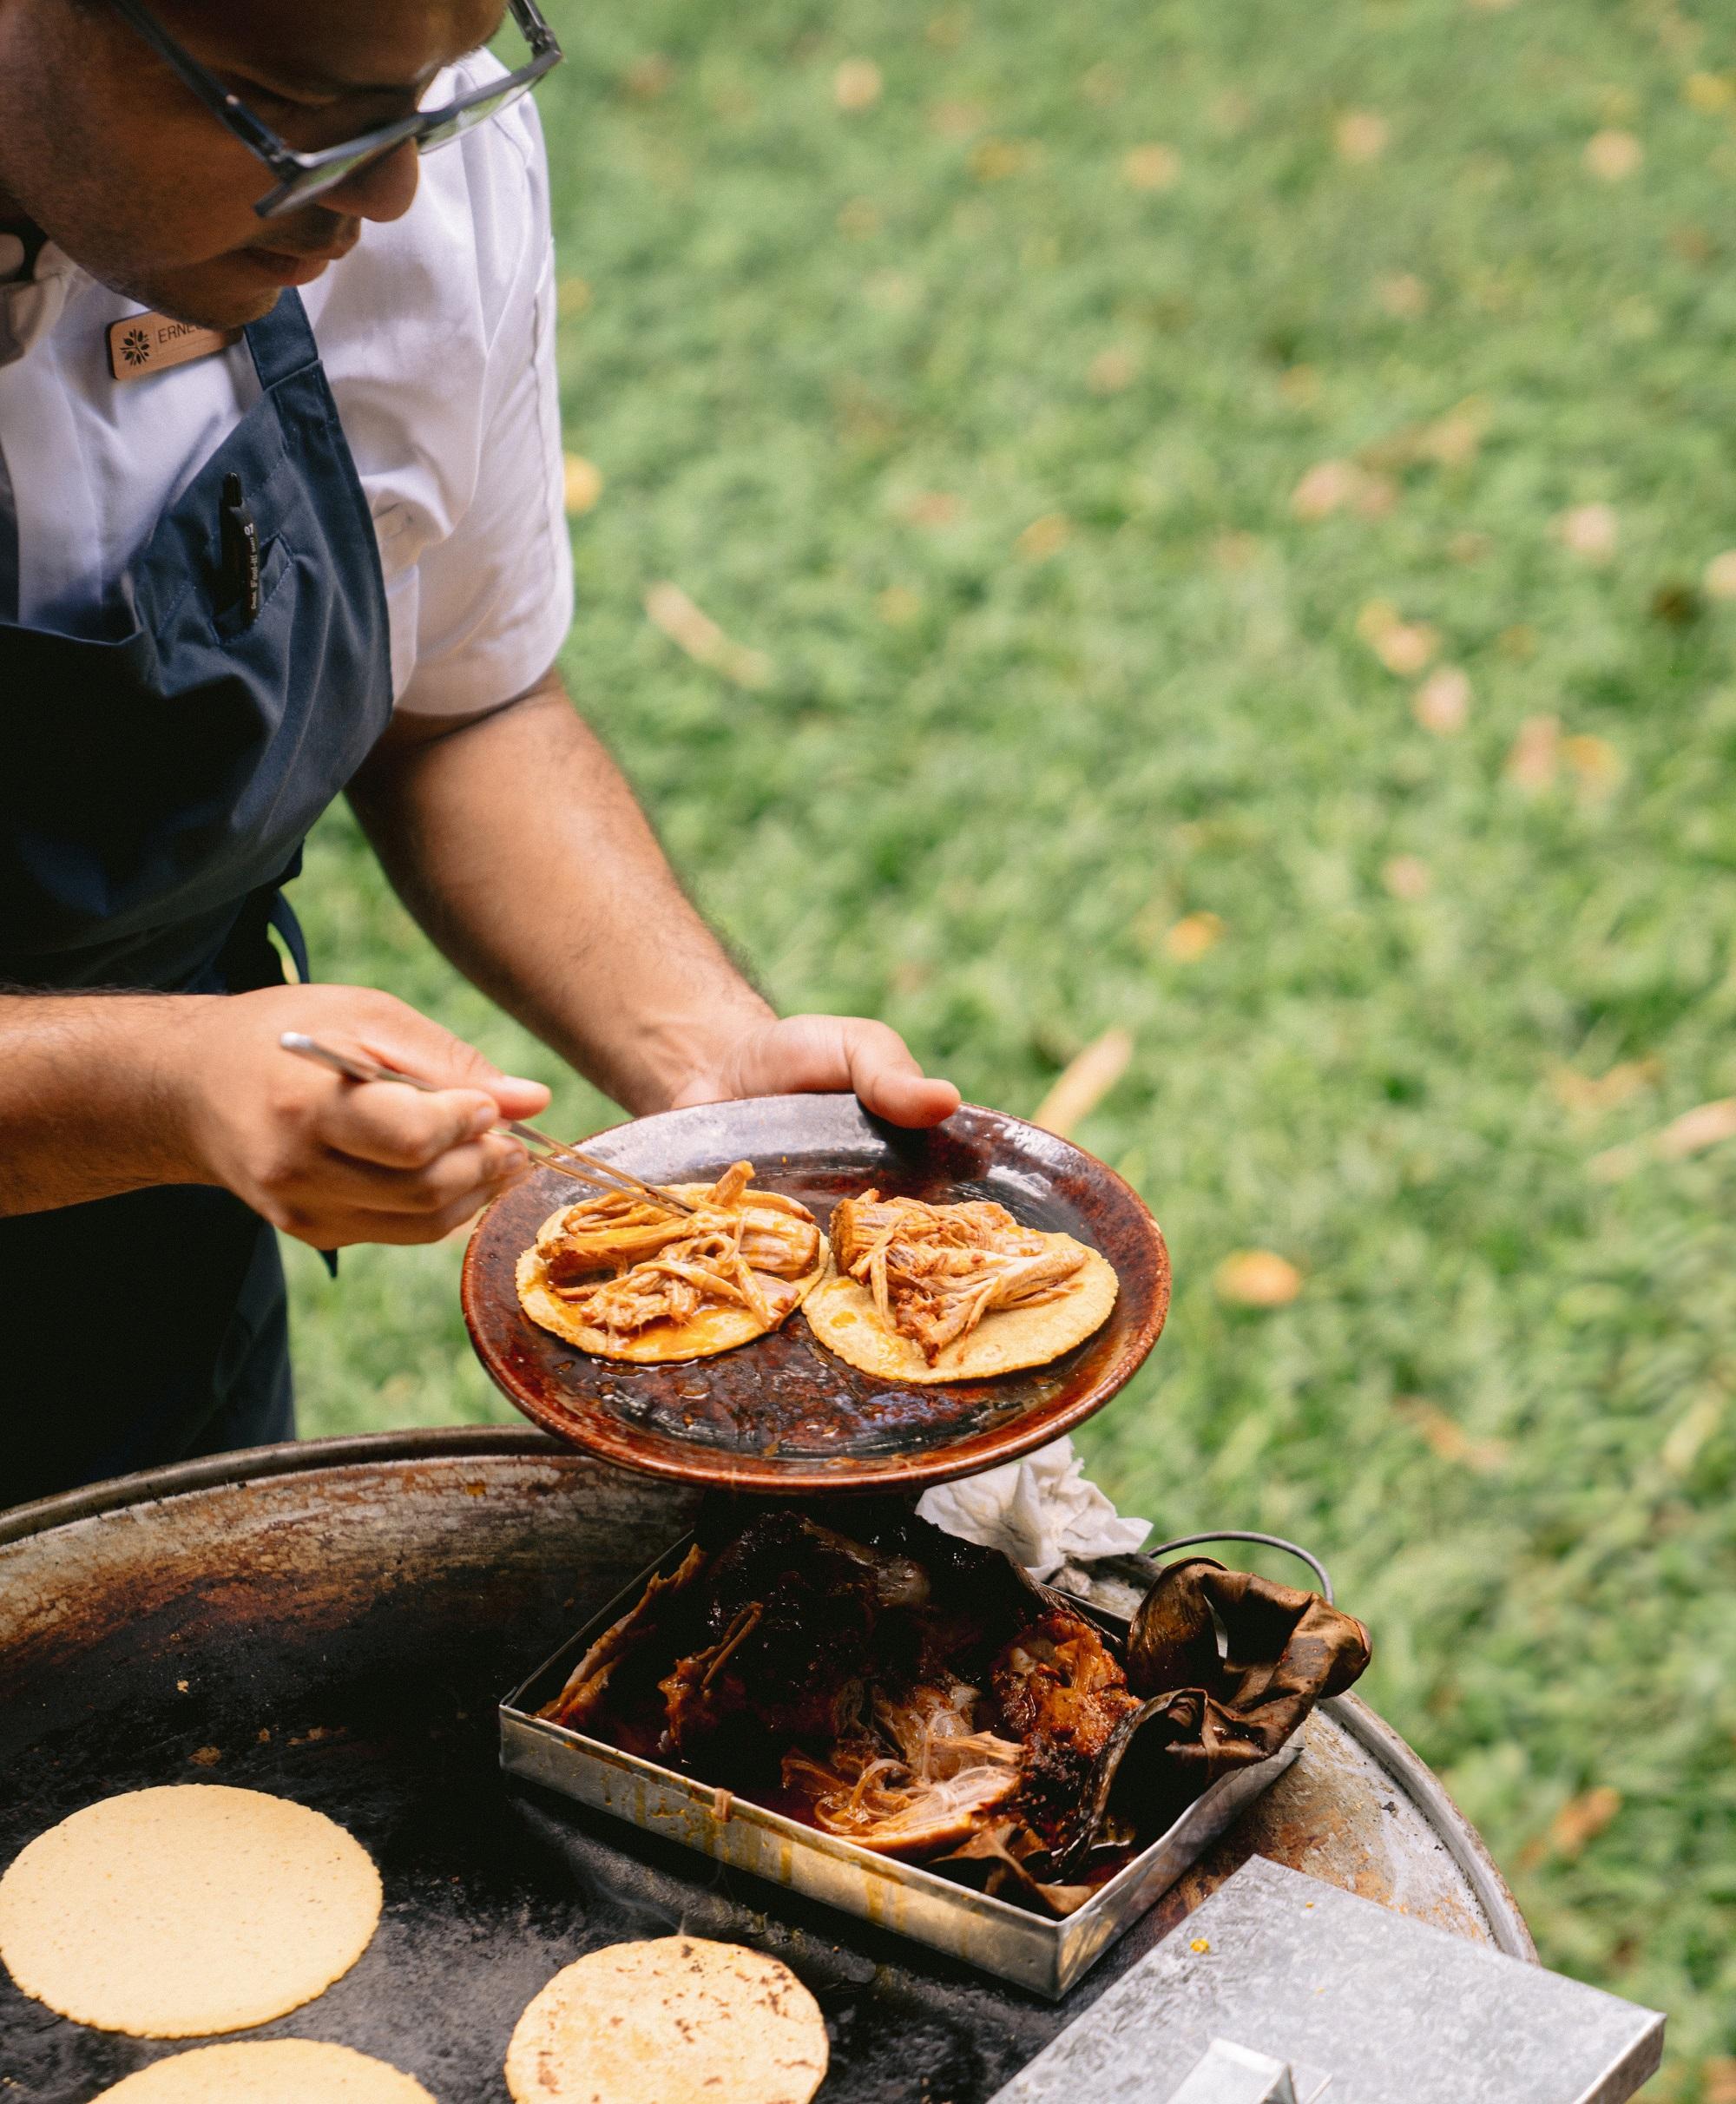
(437, 336)
(1041, 1511)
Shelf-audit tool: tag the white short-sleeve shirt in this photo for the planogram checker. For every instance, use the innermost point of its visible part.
(437, 336)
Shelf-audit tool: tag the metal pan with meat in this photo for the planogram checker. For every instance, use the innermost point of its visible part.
(870, 1711)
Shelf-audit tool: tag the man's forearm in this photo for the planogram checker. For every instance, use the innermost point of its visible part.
(87, 1105)
(520, 848)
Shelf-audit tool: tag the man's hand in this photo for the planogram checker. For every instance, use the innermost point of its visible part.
(814, 1054)
(333, 1161)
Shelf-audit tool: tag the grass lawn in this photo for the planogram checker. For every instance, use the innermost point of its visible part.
(1225, 497)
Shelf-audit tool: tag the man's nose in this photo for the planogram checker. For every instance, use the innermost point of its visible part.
(384, 190)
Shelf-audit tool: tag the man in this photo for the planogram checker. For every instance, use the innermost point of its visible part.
(327, 553)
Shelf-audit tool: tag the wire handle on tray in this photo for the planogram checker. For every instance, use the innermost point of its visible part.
(1266, 1541)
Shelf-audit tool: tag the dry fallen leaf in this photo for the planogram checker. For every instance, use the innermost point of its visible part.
(1710, 92)
(1192, 936)
(584, 480)
(1596, 767)
(1362, 135)
(1326, 488)
(856, 84)
(1151, 168)
(995, 160)
(1330, 485)
(1407, 877)
(669, 606)
(1447, 1440)
(1717, 2081)
(931, 507)
(1112, 369)
(1406, 648)
(1236, 551)
(1612, 156)
(958, 120)
(1256, 1278)
(1403, 295)
(1719, 580)
(649, 76)
(1441, 703)
(1592, 1095)
(1700, 1421)
(1083, 1083)
(1043, 538)
(1589, 531)
(1581, 1819)
(1705, 1125)
(1531, 763)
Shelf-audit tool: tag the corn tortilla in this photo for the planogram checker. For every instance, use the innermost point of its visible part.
(268, 2071)
(842, 1314)
(675, 2021)
(713, 1330)
(180, 1912)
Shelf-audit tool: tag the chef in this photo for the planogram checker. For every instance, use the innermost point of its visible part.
(280, 517)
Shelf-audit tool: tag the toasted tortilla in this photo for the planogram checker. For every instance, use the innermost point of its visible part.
(842, 1314)
(678, 2020)
(713, 1330)
(178, 1911)
(268, 2071)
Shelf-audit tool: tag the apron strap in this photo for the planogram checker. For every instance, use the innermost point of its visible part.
(282, 343)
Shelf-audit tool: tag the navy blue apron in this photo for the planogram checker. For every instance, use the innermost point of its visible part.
(155, 786)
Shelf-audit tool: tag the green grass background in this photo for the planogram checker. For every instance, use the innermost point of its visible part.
(982, 785)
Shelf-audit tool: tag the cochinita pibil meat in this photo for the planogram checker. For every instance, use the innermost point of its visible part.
(920, 1697)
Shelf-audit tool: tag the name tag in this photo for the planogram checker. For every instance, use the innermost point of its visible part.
(141, 344)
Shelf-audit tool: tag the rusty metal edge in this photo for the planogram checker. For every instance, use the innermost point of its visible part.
(292, 1456)
(1458, 1836)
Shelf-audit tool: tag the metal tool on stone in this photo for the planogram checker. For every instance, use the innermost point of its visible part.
(1282, 1989)
(546, 1152)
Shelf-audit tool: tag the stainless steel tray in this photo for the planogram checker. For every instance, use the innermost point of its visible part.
(1046, 1957)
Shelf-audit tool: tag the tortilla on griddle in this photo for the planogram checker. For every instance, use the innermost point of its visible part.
(712, 1329)
(678, 2020)
(268, 2071)
(186, 1910)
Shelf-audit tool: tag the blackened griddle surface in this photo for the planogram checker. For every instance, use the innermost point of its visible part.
(344, 1639)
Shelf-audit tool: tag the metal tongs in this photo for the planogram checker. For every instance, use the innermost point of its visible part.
(545, 1152)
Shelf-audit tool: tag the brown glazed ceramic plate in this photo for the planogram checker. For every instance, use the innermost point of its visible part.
(781, 1414)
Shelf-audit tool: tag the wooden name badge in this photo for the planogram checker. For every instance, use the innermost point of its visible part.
(140, 345)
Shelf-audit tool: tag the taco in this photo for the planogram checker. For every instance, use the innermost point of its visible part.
(621, 1276)
(927, 1293)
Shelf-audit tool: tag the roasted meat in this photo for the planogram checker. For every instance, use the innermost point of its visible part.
(920, 1697)
(791, 1613)
(622, 1264)
(935, 1270)
(1063, 1695)
(921, 1777)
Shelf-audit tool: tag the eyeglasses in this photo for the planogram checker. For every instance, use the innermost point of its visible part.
(302, 177)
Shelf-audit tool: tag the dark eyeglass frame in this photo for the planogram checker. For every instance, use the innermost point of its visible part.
(302, 177)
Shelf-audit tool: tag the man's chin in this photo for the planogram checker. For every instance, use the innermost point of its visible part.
(228, 293)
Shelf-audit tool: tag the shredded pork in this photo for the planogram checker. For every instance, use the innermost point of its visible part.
(935, 1270)
(623, 1263)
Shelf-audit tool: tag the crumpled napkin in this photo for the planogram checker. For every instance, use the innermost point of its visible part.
(1040, 1511)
